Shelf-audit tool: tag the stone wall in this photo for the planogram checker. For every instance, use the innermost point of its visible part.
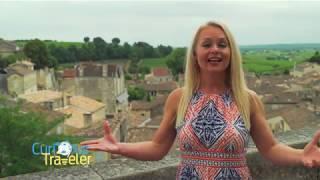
(128, 169)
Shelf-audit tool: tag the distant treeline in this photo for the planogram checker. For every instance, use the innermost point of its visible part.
(98, 49)
(281, 46)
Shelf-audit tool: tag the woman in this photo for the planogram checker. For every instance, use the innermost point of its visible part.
(212, 116)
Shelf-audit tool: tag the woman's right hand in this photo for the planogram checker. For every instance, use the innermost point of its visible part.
(108, 143)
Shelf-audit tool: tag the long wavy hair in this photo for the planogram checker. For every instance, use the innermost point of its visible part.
(235, 76)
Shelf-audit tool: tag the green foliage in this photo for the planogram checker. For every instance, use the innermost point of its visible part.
(127, 77)
(136, 93)
(6, 61)
(115, 41)
(18, 131)
(144, 69)
(175, 61)
(154, 62)
(38, 52)
(315, 58)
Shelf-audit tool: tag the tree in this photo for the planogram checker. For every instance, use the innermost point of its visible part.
(164, 50)
(144, 70)
(99, 48)
(86, 40)
(18, 131)
(175, 61)
(115, 41)
(315, 58)
(38, 52)
(136, 93)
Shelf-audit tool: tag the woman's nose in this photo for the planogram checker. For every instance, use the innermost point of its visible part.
(214, 48)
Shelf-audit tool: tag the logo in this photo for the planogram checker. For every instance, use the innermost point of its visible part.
(64, 148)
(62, 154)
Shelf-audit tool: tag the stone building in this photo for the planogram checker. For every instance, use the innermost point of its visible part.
(8, 47)
(83, 112)
(21, 78)
(102, 82)
(159, 75)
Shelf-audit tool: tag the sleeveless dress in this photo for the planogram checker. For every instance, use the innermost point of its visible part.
(212, 139)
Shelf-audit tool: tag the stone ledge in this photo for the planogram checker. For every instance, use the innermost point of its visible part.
(128, 169)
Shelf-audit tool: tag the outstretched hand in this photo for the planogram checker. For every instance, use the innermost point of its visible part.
(311, 153)
(107, 143)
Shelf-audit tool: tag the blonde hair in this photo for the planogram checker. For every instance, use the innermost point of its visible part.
(235, 77)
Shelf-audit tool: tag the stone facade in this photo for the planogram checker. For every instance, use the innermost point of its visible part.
(46, 79)
(8, 47)
(102, 82)
(278, 124)
(159, 75)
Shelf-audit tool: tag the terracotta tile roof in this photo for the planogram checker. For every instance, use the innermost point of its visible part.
(96, 129)
(32, 107)
(76, 119)
(140, 134)
(69, 73)
(296, 117)
(85, 103)
(19, 70)
(145, 105)
(165, 86)
(282, 97)
(41, 96)
(140, 105)
(160, 71)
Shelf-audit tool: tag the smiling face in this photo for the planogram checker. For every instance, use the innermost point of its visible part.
(212, 51)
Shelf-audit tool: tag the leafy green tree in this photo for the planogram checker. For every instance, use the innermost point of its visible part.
(99, 48)
(315, 58)
(164, 50)
(144, 70)
(18, 131)
(175, 61)
(115, 41)
(38, 52)
(136, 93)
(86, 40)
(86, 52)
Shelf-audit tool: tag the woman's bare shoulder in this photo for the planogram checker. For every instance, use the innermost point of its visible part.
(174, 98)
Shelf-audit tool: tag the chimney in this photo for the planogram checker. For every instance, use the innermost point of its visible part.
(87, 116)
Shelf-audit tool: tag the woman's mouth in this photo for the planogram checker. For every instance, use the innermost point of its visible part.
(214, 60)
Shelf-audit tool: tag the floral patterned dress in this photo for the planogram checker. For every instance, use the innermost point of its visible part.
(212, 139)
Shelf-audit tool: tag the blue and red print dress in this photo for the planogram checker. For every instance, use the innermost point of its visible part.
(212, 139)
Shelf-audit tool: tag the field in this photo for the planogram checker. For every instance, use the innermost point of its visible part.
(154, 62)
(258, 61)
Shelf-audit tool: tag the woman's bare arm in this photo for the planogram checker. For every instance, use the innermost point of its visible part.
(155, 149)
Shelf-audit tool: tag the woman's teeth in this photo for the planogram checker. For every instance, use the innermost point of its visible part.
(214, 60)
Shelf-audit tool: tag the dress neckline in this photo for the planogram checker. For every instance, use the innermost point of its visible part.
(225, 92)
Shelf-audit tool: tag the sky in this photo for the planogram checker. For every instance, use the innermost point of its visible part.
(160, 22)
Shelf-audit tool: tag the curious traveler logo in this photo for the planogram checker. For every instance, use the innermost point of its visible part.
(61, 154)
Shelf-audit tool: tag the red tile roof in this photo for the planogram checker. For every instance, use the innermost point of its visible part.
(69, 73)
(160, 71)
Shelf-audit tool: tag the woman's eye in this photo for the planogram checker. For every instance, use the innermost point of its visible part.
(206, 45)
(222, 45)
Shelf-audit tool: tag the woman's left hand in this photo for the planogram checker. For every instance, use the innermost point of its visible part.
(311, 153)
